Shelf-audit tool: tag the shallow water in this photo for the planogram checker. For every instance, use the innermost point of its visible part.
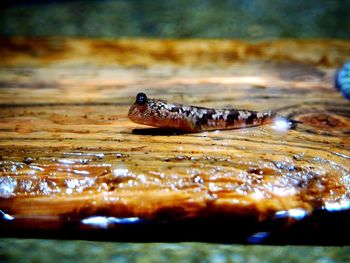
(29, 250)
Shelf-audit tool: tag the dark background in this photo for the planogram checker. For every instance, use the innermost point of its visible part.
(244, 19)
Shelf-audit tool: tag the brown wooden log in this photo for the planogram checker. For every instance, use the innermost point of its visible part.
(69, 152)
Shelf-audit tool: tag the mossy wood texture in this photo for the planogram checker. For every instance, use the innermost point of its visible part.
(69, 153)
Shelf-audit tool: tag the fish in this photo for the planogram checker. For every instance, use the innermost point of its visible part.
(162, 114)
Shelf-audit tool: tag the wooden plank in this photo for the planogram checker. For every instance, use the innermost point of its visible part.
(69, 152)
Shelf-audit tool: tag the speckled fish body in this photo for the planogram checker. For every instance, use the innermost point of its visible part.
(160, 113)
(342, 80)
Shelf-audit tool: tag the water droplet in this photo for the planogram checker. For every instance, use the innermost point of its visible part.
(7, 186)
(122, 172)
(281, 124)
(66, 161)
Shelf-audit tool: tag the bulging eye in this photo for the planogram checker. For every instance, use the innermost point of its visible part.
(141, 99)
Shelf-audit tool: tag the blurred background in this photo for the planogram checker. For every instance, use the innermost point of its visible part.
(244, 19)
(226, 19)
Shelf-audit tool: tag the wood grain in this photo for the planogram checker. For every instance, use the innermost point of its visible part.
(68, 151)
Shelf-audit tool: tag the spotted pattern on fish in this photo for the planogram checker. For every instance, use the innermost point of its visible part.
(160, 113)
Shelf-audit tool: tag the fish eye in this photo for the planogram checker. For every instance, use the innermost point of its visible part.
(141, 99)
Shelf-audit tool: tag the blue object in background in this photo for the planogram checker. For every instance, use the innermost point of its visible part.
(342, 80)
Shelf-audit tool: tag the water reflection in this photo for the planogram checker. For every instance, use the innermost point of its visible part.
(295, 213)
(5, 216)
(7, 186)
(106, 222)
(258, 238)
(337, 206)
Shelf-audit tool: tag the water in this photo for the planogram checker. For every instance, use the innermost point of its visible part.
(87, 251)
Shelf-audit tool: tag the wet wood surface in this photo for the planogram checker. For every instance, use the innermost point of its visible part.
(73, 165)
